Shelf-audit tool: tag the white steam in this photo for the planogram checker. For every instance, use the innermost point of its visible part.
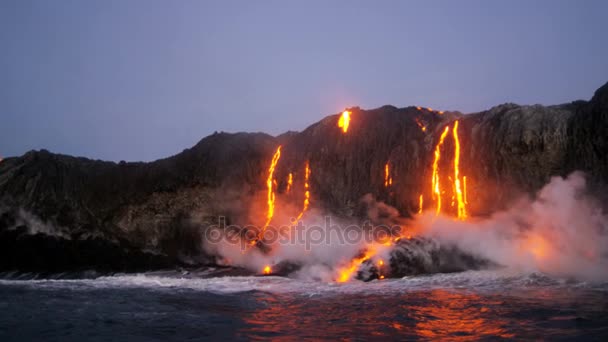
(560, 232)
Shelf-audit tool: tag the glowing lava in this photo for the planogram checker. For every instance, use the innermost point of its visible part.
(436, 187)
(270, 189)
(306, 190)
(420, 201)
(421, 125)
(267, 270)
(289, 182)
(459, 195)
(388, 180)
(346, 273)
(344, 121)
(462, 210)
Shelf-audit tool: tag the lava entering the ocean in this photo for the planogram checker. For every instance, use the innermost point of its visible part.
(369, 262)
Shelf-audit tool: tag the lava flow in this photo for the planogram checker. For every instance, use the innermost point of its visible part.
(289, 182)
(346, 273)
(344, 121)
(462, 210)
(270, 189)
(436, 187)
(458, 187)
(306, 190)
(388, 179)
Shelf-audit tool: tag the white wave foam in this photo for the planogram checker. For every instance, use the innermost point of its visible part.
(485, 281)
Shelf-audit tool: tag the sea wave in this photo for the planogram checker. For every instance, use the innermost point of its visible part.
(478, 281)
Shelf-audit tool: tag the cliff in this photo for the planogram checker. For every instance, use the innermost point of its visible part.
(53, 206)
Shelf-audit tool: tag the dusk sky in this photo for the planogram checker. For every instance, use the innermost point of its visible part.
(141, 80)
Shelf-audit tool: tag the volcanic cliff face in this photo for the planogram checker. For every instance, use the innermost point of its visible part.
(155, 212)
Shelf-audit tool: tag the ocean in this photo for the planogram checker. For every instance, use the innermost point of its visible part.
(172, 305)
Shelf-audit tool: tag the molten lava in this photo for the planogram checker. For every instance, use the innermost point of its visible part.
(420, 201)
(306, 190)
(344, 121)
(270, 188)
(421, 125)
(267, 270)
(345, 274)
(289, 182)
(462, 210)
(459, 196)
(388, 180)
(436, 187)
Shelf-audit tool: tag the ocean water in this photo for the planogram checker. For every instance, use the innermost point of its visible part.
(498, 304)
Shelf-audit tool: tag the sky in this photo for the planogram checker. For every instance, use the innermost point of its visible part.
(144, 79)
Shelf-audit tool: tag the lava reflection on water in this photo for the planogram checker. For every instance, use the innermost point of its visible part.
(436, 314)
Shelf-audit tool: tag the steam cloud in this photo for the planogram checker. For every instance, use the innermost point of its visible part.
(560, 232)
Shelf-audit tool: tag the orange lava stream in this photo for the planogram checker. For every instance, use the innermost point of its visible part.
(420, 201)
(267, 270)
(306, 190)
(436, 188)
(344, 121)
(289, 182)
(270, 187)
(459, 186)
(346, 273)
(388, 180)
(462, 210)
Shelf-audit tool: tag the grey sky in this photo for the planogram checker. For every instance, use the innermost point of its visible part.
(140, 80)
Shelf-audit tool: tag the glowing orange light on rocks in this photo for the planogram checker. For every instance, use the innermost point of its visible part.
(267, 270)
(420, 124)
